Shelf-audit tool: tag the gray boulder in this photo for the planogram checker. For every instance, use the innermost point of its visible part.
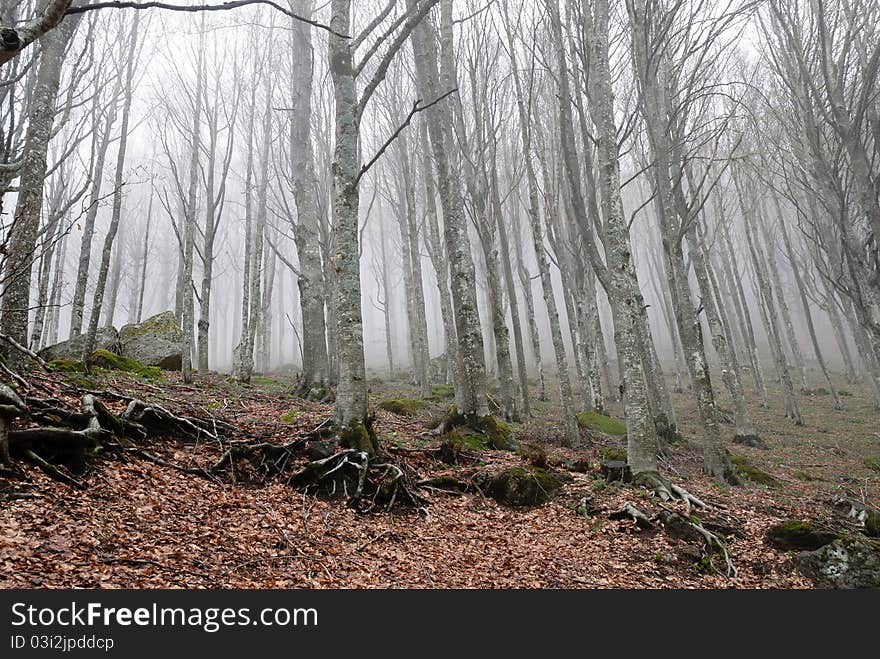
(842, 564)
(157, 341)
(106, 338)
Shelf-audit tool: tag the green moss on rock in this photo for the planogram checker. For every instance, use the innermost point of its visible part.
(799, 535)
(601, 423)
(66, 366)
(498, 433)
(402, 406)
(113, 362)
(745, 469)
(616, 453)
(522, 486)
(442, 391)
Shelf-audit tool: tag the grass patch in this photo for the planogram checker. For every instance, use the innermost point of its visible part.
(872, 463)
(290, 416)
(602, 423)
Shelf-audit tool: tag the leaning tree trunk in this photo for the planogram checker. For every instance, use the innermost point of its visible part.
(768, 304)
(784, 310)
(805, 304)
(470, 382)
(737, 294)
(744, 431)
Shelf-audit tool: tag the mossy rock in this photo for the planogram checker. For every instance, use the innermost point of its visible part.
(442, 391)
(402, 406)
(446, 482)
(601, 423)
(746, 469)
(798, 535)
(458, 439)
(615, 470)
(498, 433)
(290, 416)
(872, 463)
(113, 362)
(66, 366)
(613, 453)
(522, 486)
(843, 563)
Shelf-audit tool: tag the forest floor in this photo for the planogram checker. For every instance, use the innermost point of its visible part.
(138, 524)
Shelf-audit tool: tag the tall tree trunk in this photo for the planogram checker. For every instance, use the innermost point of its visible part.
(351, 391)
(805, 304)
(768, 303)
(438, 257)
(189, 227)
(310, 280)
(102, 139)
(22, 236)
(470, 381)
(116, 214)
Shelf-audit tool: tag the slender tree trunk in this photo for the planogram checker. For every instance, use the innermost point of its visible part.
(737, 293)
(139, 308)
(768, 296)
(117, 195)
(88, 227)
(316, 365)
(744, 430)
(438, 258)
(805, 304)
(784, 310)
(351, 391)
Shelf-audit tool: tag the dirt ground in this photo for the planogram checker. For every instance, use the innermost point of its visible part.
(144, 525)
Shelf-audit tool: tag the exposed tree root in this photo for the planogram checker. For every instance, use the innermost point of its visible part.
(682, 525)
(367, 483)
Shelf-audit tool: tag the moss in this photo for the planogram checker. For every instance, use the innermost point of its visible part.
(613, 453)
(357, 436)
(803, 476)
(264, 381)
(113, 362)
(798, 534)
(498, 433)
(745, 469)
(601, 423)
(290, 416)
(519, 486)
(402, 406)
(161, 323)
(446, 482)
(872, 463)
(442, 391)
(66, 366)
